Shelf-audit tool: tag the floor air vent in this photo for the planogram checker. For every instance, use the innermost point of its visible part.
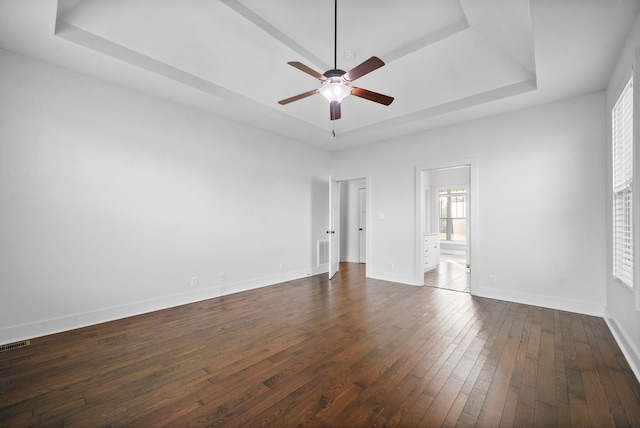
(10, 346)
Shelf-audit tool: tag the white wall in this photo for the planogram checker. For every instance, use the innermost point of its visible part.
(541, 186)
(622, 316)
(112, 200)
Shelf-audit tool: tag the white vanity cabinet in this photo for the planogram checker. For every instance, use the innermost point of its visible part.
(431, 250)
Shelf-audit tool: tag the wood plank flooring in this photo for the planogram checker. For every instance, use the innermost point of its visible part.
(451, 273)
(312, 352)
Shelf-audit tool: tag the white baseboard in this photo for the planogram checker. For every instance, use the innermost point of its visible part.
(631, 353)
(70, 322)
(394, 277)
(543, 301)
(350, 259)
(57, 325)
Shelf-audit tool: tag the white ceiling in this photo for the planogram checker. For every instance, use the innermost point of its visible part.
(446, 60)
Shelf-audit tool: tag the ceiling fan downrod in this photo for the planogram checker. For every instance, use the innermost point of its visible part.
(335, 35)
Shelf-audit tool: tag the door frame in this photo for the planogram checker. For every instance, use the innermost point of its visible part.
(472, 225)
(362, 227)
(334, 226)
(337, 236)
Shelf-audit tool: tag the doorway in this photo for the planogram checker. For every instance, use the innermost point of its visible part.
(445, 218)
(353, 220)
(349, 206)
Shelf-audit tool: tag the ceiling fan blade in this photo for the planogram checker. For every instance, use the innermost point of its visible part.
(368, 66)
(300, 66)
(298, 97)
(334, 110)
(372, 96)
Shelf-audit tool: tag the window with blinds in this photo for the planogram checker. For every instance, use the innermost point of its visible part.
(453, 214)
(622, 139)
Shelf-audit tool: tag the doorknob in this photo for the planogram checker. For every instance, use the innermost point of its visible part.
(360, 229)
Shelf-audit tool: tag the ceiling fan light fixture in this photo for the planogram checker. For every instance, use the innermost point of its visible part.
(334, 90)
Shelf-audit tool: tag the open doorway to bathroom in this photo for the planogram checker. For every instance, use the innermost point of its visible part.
(445, 227)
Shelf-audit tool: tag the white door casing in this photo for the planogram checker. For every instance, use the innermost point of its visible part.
(472, 217)
(334, 225)
(362, 225)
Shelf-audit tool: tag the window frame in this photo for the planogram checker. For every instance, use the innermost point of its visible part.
(466, 211)
(623, 178)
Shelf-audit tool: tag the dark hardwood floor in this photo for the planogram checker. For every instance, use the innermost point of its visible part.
(345, 353)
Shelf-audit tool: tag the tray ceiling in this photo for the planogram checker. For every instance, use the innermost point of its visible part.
(446, 60)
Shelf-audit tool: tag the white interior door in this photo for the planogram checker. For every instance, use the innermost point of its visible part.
(362, 222)
(334, 223)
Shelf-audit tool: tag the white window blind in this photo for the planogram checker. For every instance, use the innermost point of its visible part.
(622, 127)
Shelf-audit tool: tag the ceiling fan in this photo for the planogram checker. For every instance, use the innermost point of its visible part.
(335, 82)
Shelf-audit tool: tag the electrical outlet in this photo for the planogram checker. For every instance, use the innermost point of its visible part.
(221, 276)
(492, 278)
(393, 267)
(194, 281)
(281, 265)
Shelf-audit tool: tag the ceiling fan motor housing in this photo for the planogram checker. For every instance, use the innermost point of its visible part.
(335, 76)
(334, 73)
